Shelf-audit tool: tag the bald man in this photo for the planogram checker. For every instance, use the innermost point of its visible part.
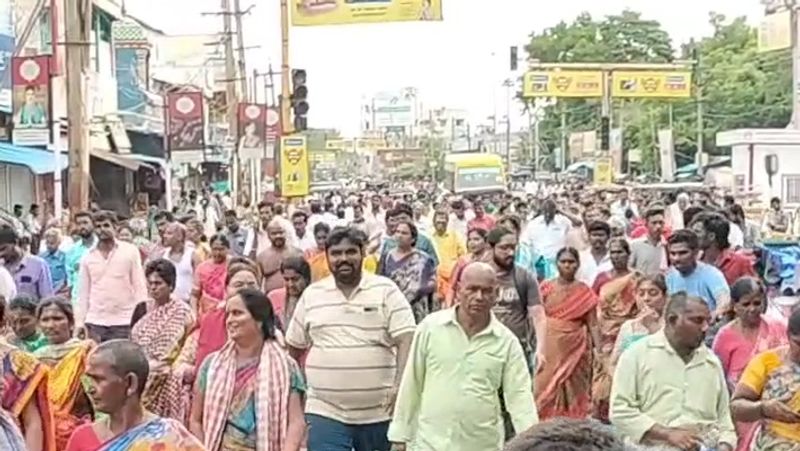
(460, 359)
(119, 370)
(270, 258)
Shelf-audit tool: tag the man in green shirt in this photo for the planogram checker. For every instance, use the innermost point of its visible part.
(669, 388)
(460, 360)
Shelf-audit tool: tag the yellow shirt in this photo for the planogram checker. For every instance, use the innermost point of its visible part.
(448, 397)
(653, 385)
(450, 247)
(764, 368)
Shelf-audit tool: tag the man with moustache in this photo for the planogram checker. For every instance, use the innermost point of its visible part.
(357, 329)
(669, 388)
(112, 283)
(459, 361)
(270, 259)
(84, 226)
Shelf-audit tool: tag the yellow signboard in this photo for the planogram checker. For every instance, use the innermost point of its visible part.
(339, 144)
(341, 12)
(603, 171)
(294, 169)
(563, 84)
(644, 84)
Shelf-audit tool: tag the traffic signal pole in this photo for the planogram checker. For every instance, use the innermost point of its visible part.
(286, 122)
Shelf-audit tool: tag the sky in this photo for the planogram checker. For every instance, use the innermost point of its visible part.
(459, 63)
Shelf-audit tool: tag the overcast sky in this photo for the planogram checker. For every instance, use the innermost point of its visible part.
(458, 63)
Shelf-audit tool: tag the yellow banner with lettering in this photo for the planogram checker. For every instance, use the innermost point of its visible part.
(342, 12)
(649, 84)
(603, 171)
(564, 83)
(294, 169)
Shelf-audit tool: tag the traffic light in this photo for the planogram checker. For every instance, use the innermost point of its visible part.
(299, 99)
(514, 58)
(605, 133)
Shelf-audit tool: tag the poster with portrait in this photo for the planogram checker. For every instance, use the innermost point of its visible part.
(252, 130)
(185, 121)
(31, 100)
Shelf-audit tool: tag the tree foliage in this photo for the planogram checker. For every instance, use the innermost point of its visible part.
(739, 87)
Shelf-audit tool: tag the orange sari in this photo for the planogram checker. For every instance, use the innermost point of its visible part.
(617, 304)
(563, 383)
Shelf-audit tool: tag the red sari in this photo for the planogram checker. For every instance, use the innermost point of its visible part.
(563, 383)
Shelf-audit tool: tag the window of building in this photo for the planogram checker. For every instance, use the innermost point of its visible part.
(791, 188)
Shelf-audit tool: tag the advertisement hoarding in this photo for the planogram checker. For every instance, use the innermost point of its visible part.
(7, 43)
(185, 121)
(252, 130)
(393, 110)
(31, 100)
(648, 84)
(294, 166)
(343, 12)
(564, 83)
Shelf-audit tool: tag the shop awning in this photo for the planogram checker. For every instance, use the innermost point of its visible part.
(115, 158)
(37, 160)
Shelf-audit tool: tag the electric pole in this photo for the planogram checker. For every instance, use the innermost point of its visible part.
(286, 72)
(77, 16)
(237, 12)
(231, 97)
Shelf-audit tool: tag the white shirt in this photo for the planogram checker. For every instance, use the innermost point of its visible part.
(458, 225)
(8, 289)
(736, 236)
(547, 239)
(591, 268)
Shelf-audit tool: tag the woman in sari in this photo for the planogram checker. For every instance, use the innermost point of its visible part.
(194, 234)
(563, 382)
(210, 335)
(24, 397)
(66, 359)
(316, 257)
(296, 277)
(651, 297)
(209, 277)
(412, 270)
(249, 394)
(160, 326)
(768, 393)
(749, 334)
(25, 333)
(476, 251)
(616, 304)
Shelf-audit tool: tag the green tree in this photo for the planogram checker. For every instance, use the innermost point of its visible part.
(740, 87)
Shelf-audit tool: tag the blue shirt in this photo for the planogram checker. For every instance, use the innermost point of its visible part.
(705, 282)
(73, 263)
(32, 276)
(57, 262)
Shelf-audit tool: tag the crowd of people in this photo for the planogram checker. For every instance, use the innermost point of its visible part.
(371, 321)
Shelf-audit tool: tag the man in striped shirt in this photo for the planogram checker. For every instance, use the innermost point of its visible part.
(358, 330)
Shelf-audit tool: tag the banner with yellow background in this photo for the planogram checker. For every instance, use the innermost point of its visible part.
(342, 12)
(645, 84)
(564, 83)
(294, 169)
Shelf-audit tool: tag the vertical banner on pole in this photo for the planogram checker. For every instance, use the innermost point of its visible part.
(294, 166)
(252, 130)
(185, 126)
(7, 43)
(31, 97)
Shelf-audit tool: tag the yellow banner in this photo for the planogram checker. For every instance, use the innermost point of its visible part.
(644, 84)
(294, 169)
(342, 12)
(563, 84)
(339, 144)
(603, 171)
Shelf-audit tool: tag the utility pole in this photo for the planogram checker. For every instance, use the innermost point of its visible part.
(564, 146)
(77, 16)
(286, 72)
(237, 12)
(231, 97)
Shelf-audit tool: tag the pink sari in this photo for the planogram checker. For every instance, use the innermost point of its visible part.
(735, 352)
(209, 282)
(563, 384)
